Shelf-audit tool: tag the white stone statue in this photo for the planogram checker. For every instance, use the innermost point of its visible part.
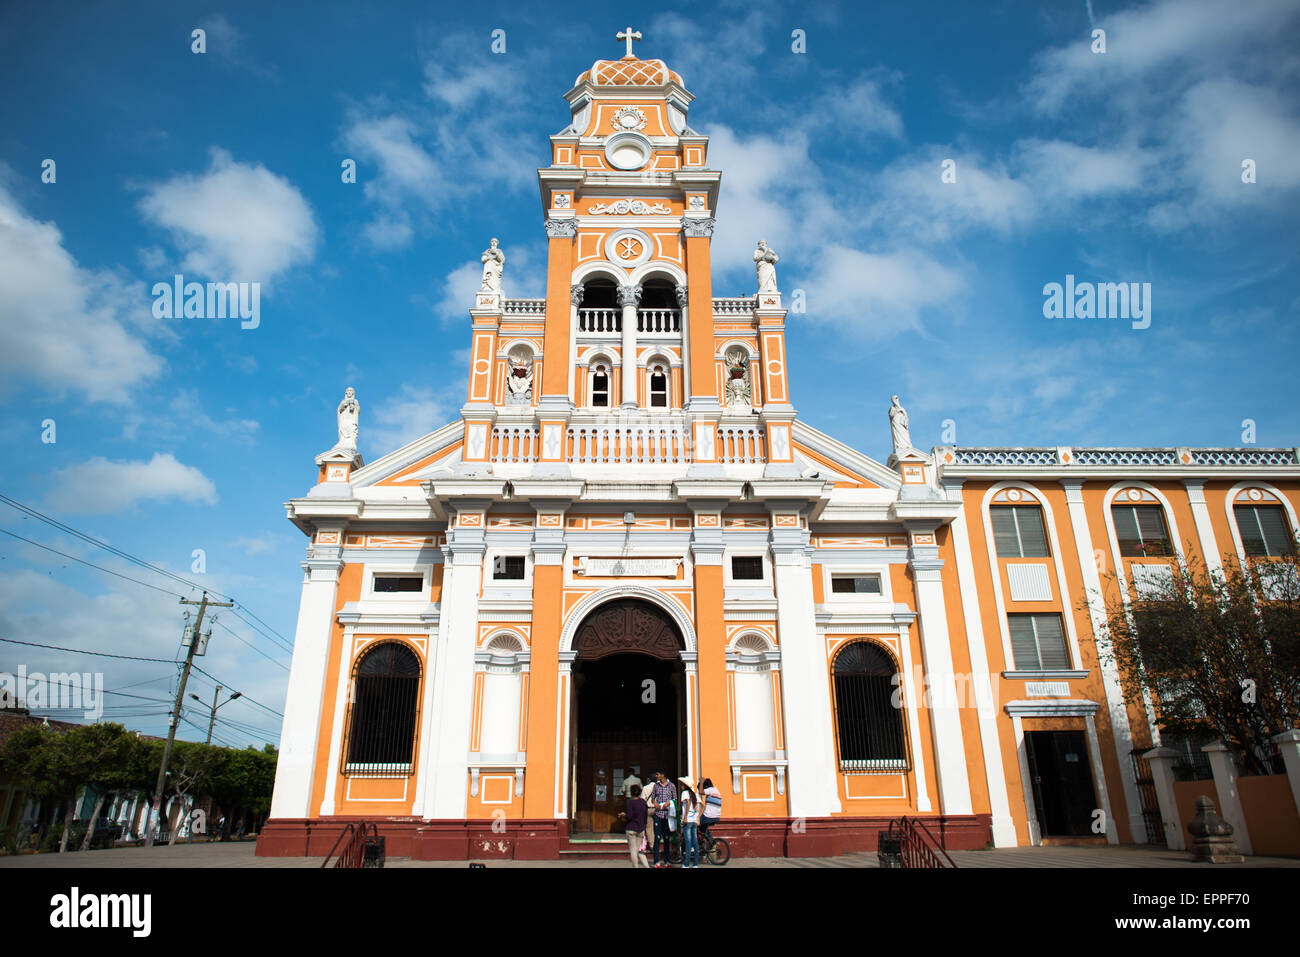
(519, 382)
(737, 387)
(349, 414)
(494, 262)
(766, 261)
(898, 428)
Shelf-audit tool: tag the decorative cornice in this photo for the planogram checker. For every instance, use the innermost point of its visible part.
(621, 207)
(561, 228)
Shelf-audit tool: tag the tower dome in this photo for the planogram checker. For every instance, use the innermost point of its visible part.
(629, 71)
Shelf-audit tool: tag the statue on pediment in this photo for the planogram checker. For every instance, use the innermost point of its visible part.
(494, 262)
(765, 259)
(349, 417)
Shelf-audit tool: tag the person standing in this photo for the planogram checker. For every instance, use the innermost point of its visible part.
(635, 816)
(662, 797)
(711, 808)
(690, 826)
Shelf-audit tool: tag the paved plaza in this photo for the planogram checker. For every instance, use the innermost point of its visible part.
(240, 854)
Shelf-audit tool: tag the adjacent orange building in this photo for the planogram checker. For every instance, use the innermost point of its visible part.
(629, 553)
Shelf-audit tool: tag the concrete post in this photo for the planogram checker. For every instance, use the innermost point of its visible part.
(1161, 761)
(1225, 784)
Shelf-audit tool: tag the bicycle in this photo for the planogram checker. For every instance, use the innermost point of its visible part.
(713, 850)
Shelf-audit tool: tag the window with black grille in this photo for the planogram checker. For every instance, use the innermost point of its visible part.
(600, 387)
(1018, 531)
(384, 710)
(1141, 531)
(392, 584)
(868, 710)
(658, 389)
(508, 568)
(747, 568)
(1264, 531)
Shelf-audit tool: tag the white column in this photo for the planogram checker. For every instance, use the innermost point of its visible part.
(1288, 742)
(1161, 761)
(680, 291)
(628, 297)
(1004, 828)
(1120, 731)
(453, 676)
(575, 301)
(1225, 785)
(805, 686)
(1204, 528)
(295, 770)
(936, 657)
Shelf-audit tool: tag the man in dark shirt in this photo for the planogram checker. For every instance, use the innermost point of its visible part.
(661, 795)
(635, 815)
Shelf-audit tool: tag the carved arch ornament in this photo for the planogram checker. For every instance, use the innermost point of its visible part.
(628, 625)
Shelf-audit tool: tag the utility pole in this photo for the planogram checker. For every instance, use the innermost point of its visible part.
(176, 711)
(213, 719)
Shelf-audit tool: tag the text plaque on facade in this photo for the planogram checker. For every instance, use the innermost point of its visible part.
(629, 567)
(1047, 689)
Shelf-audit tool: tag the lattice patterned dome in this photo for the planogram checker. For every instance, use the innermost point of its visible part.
(629, 71)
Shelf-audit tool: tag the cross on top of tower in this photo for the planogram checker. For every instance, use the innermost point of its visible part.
(629, 35)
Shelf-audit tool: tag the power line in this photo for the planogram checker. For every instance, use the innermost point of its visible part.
(235, 635)
(82, 651)
(284, 642)
(41, 516)
(165, 591)
(248, 698)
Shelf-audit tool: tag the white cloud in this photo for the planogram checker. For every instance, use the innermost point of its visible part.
(65, 327)
(1226, 122)
(99, 486)
(238, 222)
(1166, 37)
(875, 295)
(265, 542)
(414, 412)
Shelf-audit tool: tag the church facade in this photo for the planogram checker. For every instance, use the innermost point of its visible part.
(630, 553)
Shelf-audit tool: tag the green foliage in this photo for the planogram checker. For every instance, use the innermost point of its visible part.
(1219, 652)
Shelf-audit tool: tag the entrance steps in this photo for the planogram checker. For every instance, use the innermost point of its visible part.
(589, 846)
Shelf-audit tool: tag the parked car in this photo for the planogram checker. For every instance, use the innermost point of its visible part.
(106, 833)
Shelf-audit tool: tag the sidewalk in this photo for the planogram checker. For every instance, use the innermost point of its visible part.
(241, 855)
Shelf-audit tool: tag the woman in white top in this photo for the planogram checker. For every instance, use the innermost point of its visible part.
(690, 828)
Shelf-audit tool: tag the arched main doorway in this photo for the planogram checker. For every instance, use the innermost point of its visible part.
(630, 699)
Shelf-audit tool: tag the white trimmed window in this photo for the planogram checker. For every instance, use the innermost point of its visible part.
(1141, 531)
(1018, 531)
(857, 584)
(1038, 642)
(1264, 530)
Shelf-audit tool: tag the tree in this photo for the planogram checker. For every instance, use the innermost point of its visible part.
(55, 765)
(242, 779)
(1219, 651)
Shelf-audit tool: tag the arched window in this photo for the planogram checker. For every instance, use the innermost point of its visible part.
(868, 725)
(1141, 530)
(1264, 530)
(658, 385)
(385, 709)
(600, 385)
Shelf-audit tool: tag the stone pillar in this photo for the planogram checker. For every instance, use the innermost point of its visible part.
(1161, 761)
(683, 303)
(710, 665)
(1288, 742)
(453, 671)
(812, 782)
(1225, 785)
(296, 768)
(945, 717)
(575, 299)
(548, 697)
(698, 232)
(629, 297)
(1116, 708)
(1204, 527)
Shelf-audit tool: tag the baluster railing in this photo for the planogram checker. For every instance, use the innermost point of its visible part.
(600, 320)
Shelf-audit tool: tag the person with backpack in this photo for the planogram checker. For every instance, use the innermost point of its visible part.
(711, 807)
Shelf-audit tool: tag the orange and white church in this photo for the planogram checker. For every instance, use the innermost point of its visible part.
(630, 553)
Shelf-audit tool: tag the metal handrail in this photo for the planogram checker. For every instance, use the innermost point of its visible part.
(354, 853)
(918, 846)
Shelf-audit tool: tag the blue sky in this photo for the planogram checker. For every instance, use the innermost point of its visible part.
(175, 435)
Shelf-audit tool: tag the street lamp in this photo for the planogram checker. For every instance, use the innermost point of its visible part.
(212, 719)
